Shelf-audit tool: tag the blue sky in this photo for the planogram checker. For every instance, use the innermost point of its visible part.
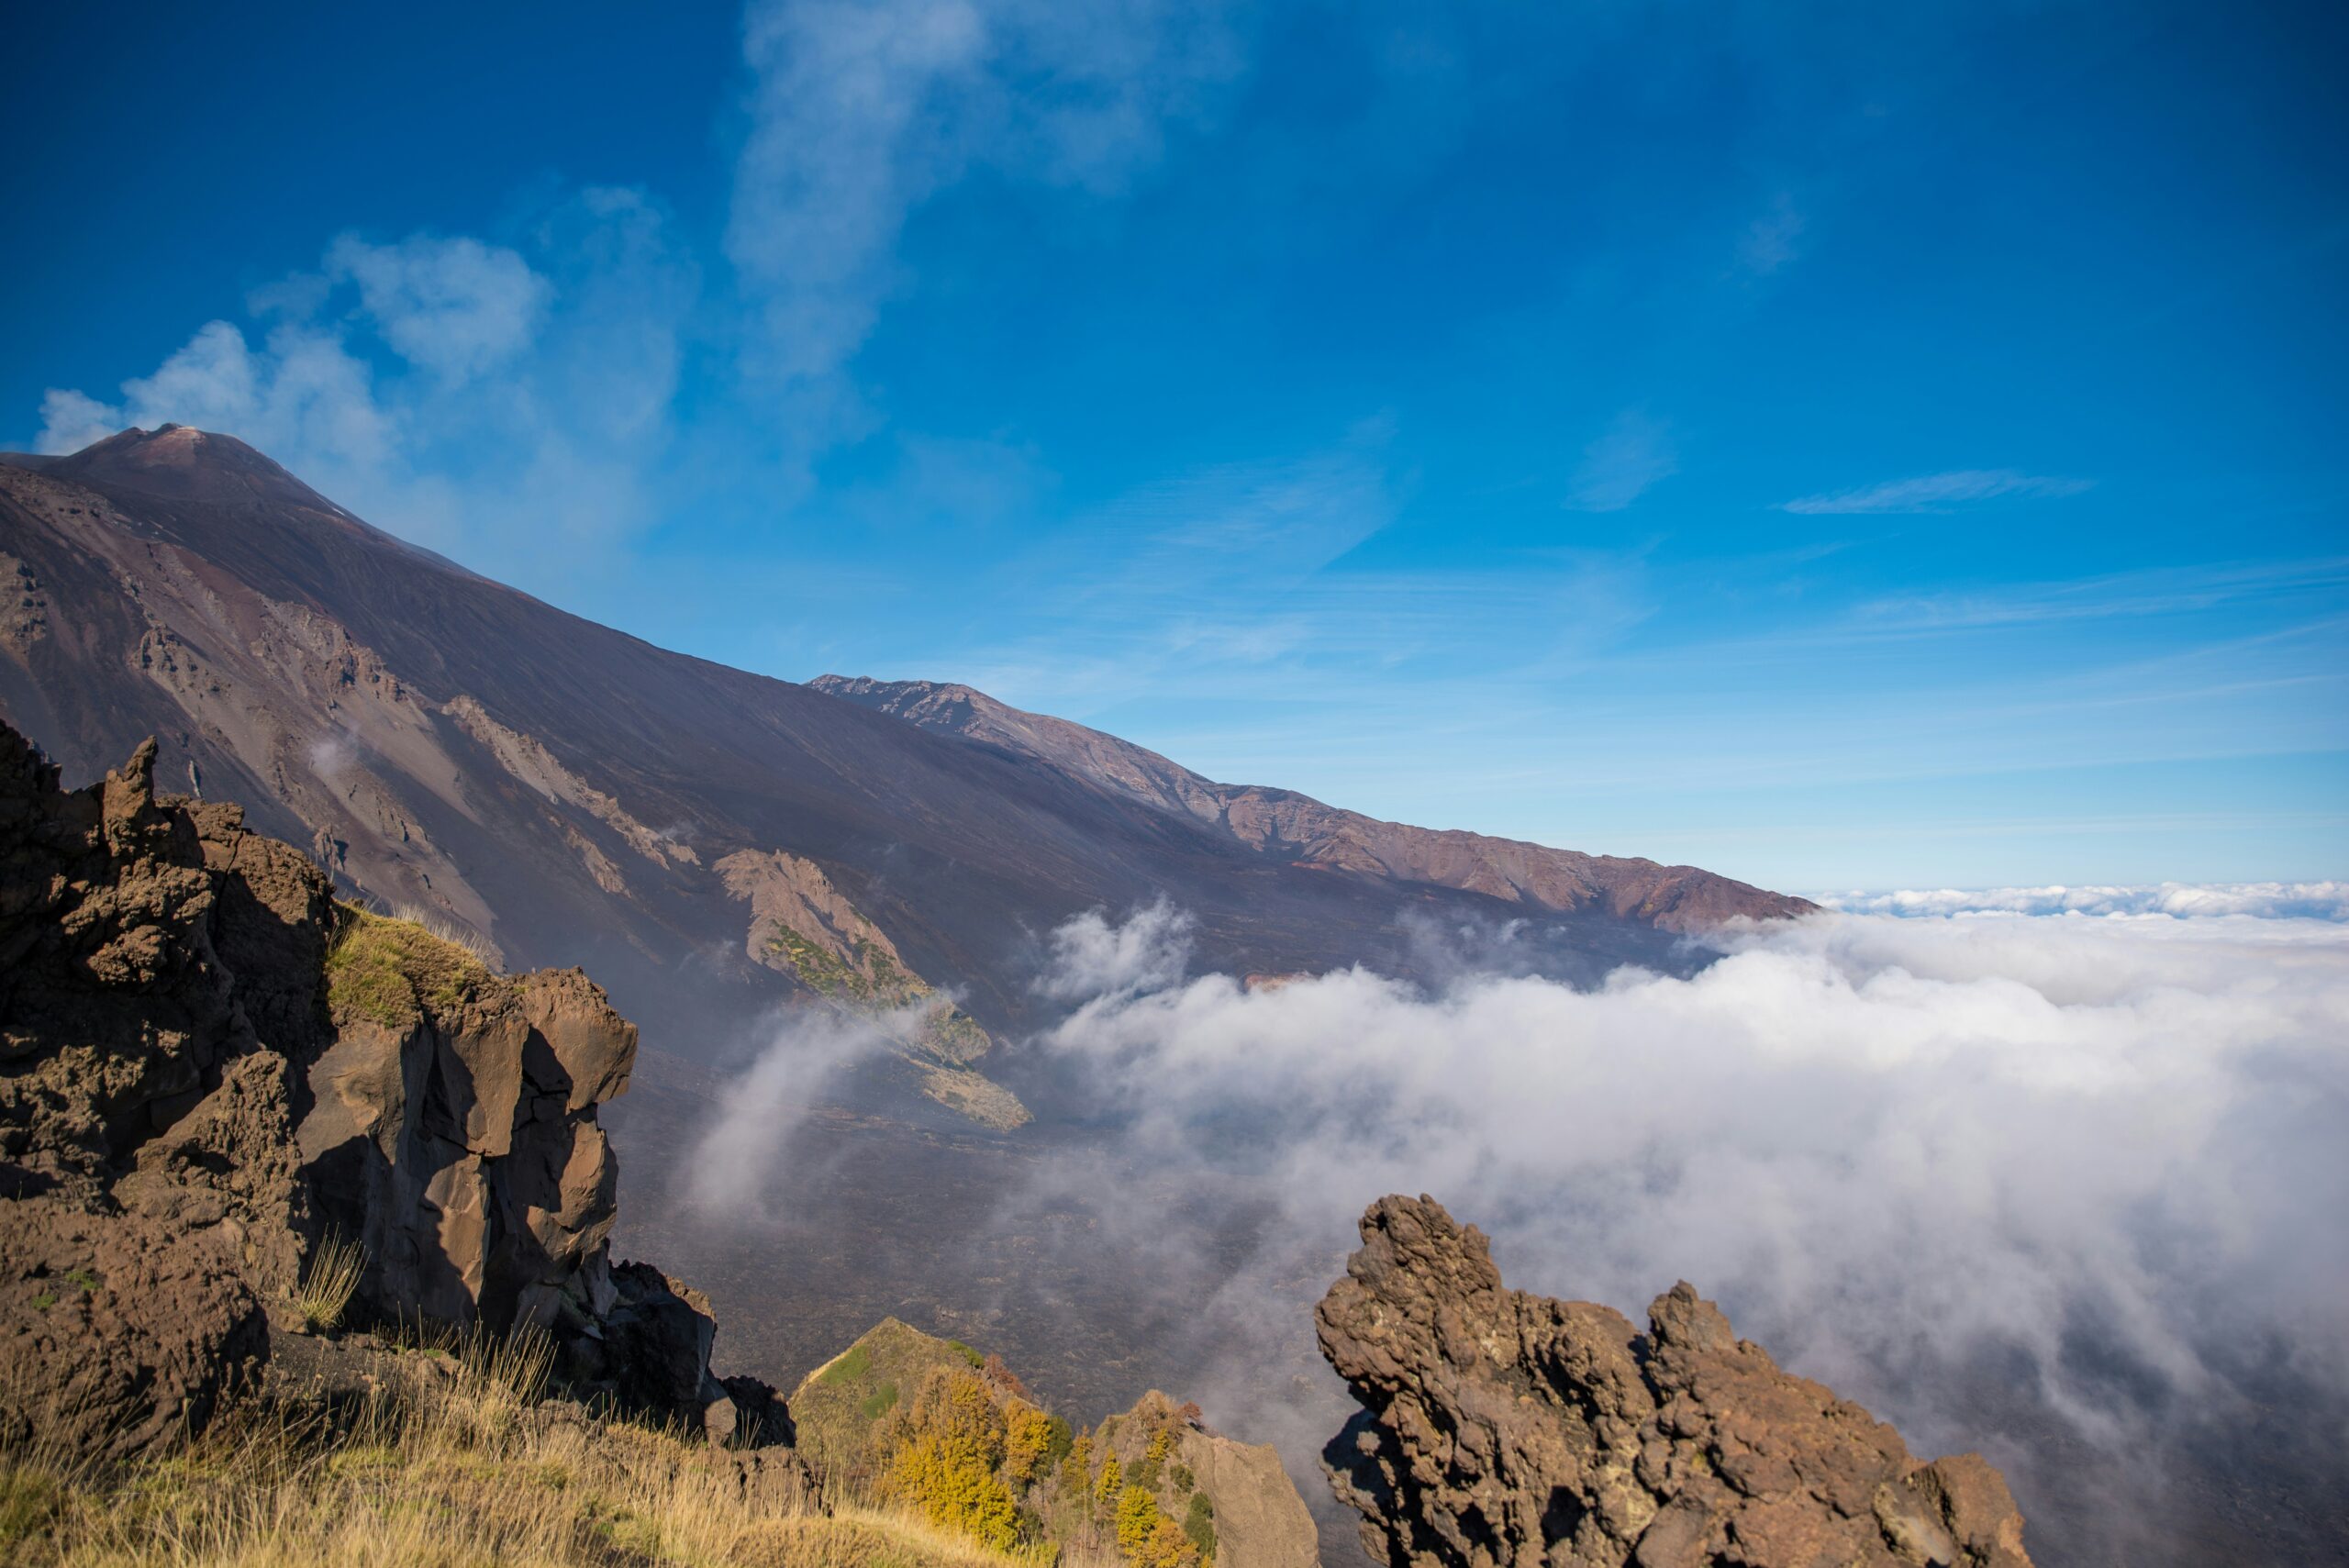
(1845, 447)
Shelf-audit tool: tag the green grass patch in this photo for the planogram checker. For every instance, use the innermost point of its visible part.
(396, 973)
(823, 972)
(848, 1367)
(29, 1500)
(881, 1400)
(1198, 1523)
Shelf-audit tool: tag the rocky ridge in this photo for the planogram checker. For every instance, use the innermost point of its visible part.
(1501, 1428)
(1303, 831)
(802, 925)
(207, 1067)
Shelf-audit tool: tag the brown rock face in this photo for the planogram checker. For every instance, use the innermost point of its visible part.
(1260, 1521)
(1501, 1428)
(117, 1332)
(152, 1200)
(459, 1144)
(206, 1065)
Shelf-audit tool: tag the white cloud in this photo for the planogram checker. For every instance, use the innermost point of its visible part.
(2267, 900)
(304, 394)
(1618, 468)
(859, 113)
(1899, 1151)
(1091, 957)
(1939, 492)
(455, 305)
(70, 420)
(450, 390)
(485, 398)
(731, 1171)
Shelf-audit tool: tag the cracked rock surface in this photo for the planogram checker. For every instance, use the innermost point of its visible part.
(1504, 1427)
(207, 1067)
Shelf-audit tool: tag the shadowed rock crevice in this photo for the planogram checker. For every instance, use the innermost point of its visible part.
(1502, 1428)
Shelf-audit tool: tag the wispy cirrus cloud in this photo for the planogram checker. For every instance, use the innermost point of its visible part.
(1632, 454)
(1938, 493)
(859, 112)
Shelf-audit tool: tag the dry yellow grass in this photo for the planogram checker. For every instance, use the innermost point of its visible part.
(449, 1467)
(331, 1280)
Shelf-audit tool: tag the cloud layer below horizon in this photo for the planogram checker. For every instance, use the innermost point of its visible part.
(2184, 900)
(2060, 1187)
(2013, 1183)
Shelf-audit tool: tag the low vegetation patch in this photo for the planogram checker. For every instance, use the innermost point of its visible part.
(396, 972)
(451, 1465)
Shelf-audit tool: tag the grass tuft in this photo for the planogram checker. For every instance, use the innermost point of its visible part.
(395, 972)
(329, 1282)
(455, 933)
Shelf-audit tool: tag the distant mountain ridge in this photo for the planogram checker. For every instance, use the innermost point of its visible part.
(568, 793)
(1307, 832)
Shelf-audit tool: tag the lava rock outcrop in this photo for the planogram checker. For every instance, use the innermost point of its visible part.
(1503, 1428)
(207, 1066)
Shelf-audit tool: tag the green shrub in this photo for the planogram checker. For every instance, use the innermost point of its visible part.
(1198, 1523)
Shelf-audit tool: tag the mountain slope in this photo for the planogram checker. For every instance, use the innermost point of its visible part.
(572, 794)
(1305, 831)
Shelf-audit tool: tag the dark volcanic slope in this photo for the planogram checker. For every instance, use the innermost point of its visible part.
(568, 791)
(1301, 829)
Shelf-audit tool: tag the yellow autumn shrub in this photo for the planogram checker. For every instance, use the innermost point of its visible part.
(1028, 1436)
(950, 1444)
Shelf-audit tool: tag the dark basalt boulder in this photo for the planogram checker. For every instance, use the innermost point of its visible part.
(1501, 1428)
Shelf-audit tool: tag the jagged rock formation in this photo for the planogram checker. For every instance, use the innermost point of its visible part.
(1501, 1428)
(206, 1065)
(452, 1122)
(1303, 831)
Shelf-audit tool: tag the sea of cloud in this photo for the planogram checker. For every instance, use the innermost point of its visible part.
(2033, 1186)
(2313, 900)
(2065, 1189)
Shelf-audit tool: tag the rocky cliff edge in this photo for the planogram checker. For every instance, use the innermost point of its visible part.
(1503, 1428)
(209, 1070)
